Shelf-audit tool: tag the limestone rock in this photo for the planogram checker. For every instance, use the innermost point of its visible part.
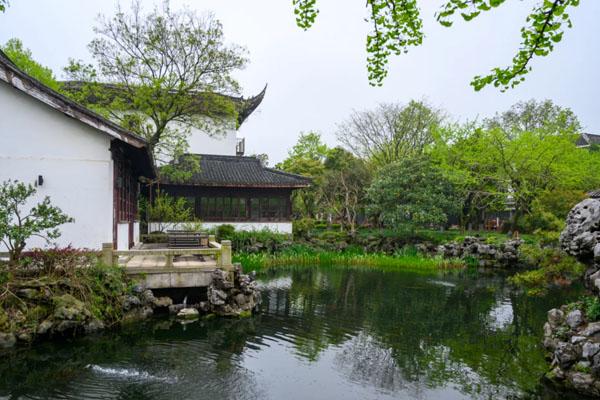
(589, 350)
(69, 308)
(580, 236)
(582, 381)
(555, 317)
(591, 329)
(487, 254)
(94, 325)
(566, 354)
(162, 302)
(175, 308)
(131, 302)
(188, 313)
(7, 339)
(44, 327)
(575, 319)
(232, 298)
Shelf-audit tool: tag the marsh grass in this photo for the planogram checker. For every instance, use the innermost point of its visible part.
(407, 259)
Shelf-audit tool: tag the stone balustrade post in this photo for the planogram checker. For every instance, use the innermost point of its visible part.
(226, 254)
(107, 254)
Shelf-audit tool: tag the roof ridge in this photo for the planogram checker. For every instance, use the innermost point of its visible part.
(14, 69)
(278, 171)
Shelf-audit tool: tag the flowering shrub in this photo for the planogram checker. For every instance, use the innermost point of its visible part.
(57, 261)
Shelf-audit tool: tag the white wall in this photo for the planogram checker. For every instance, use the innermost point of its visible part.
(136, 233)
(280, 227)
(74, 160)
(123, 236)
(223, 142)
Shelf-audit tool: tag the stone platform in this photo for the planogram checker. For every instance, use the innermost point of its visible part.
(159, 267)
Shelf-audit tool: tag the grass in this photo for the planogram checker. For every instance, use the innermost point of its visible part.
(303, 256)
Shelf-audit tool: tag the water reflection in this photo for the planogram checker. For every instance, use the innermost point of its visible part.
(339, 333)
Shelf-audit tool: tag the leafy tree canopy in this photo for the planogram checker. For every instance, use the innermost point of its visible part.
(412, 191)
(307, 158)
(23, 59)
(160, 74)
(516, 157)
(397, 26)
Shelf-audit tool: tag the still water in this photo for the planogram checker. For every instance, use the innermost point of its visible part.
(322, 334)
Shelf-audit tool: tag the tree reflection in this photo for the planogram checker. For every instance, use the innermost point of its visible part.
(402, 330)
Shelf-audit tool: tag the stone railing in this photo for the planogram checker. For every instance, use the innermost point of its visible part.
(221, 252)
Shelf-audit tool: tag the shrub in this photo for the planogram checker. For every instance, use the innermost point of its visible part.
(225, 232)
(591, 306)
(165, 210)
(552, 267)
(18, 225)
(301, 228)
(57, 261)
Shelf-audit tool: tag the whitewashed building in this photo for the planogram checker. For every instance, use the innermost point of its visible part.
(230, 188)
(87, 165)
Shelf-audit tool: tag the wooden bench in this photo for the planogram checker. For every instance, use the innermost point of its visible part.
(186, 239)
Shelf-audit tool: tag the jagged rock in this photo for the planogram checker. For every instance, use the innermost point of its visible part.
(487, 254)
(69, 308)
(147, 297)
(65, 326)
(232, 298)
(555, 317)
(94, 325)
(566, 354)
(131, 302)
(582, 381)
(138, 314)
(25, 336)
(203, 306)
(591, 329)
(578, 339)
(138, 288)
(574, 319)
(162, 302)
(188, 313)
(580, 236)
(589, 350)
(44, 327)
(7, 339)
(175, 308)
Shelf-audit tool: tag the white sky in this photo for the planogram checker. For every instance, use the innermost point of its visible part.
(316, 78)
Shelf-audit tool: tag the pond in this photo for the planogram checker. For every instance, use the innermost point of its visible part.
(324, 333)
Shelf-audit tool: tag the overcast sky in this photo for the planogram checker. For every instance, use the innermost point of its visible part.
(316, 78)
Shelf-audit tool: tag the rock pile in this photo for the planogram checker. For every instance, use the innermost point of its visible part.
(233, 298)
(487, 254)
(574, 344)
(572, 338)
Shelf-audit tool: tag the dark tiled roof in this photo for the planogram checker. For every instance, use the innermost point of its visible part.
(13, 76)
(586, 139)
(594, 194)
(236, 171)
(243, 106)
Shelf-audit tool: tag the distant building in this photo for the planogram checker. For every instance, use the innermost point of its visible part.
(87, 165)
(239, 191)
(587, 139)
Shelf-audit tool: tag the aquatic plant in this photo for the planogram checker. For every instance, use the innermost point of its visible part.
(353, 256)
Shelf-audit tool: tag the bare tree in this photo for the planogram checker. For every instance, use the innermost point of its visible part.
(390, 132)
